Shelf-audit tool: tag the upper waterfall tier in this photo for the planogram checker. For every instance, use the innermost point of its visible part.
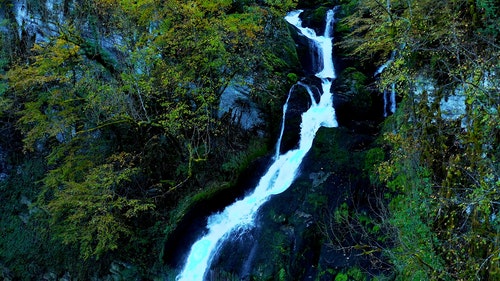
(324, 44)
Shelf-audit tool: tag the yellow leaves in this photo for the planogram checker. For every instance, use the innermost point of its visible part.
(106, 4)
(137, 207)
(216, 6)
(51, 65)
(282, 6)
(248, 25)
(90, 212)
(55, 54)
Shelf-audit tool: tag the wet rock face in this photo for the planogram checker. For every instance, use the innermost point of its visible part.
(315, 18)
(237, 255)
(38, 20)
(308, 54)
(303, 51)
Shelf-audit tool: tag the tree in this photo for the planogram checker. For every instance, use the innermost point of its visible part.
(444, 168)
(126, 130)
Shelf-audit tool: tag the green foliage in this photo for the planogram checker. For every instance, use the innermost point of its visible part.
(489, 17)
(354, 274)
(441, 171)
(5, 103)
(355, 84)
(373, 158)
(317, 200)
(292, 77)
(341, 214)
(124, 132)
(355, 81)
(282, 274)
(341, 277)
(238, 162)
(66, 109)
(318, 15)
(281, 6)
(91, 213)
(327, 147)
(25, 231)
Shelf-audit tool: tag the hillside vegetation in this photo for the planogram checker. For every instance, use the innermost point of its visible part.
(111, 130)
(111, 124)
(442, 173)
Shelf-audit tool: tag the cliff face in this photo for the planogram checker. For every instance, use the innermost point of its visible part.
(37, 21)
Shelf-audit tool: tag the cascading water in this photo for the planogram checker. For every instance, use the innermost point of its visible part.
(285, 108)
(390, 100)
(280, 175)
(389, 95)
(393, 98)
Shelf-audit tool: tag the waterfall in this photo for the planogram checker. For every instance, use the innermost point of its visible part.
(390, 100)
(283, 118)
(384, 94)
(393, 98)
(240, 215)
(388, 95)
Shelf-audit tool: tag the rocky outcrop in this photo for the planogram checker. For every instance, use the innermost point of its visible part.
(235, 102)
(38, 22)
(298, 102)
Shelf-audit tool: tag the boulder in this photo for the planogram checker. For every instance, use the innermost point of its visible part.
(235, 101)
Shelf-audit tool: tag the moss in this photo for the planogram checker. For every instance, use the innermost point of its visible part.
(316, 200)
(355, 80)
(354, 84)
(239, 162)
(292, 77)
(342, 28)
(319, 15)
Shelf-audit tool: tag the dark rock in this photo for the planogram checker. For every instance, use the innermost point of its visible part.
(235, 101)
(303, 49)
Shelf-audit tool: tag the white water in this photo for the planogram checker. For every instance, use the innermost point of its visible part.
(240, 215)
(322, 43)
(285, 108)
(391, 100)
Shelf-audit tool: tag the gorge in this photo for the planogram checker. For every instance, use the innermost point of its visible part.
(240, 215)
(236, 140)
